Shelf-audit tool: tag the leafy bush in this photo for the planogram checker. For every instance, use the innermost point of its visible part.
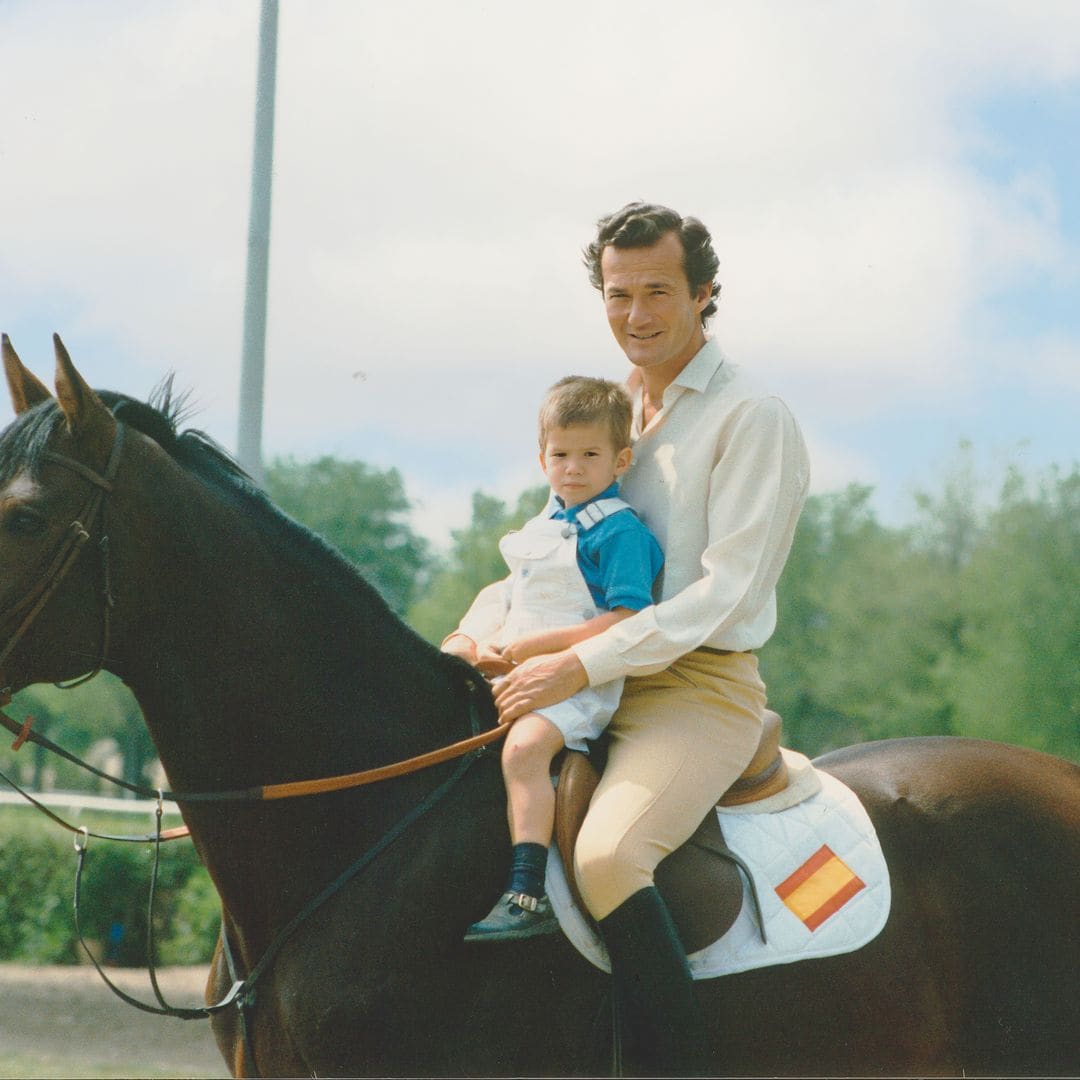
(37, 877)
(196, 922)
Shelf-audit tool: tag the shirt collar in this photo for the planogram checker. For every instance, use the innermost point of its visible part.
(706, 362)
(556, 508)
(696, 376)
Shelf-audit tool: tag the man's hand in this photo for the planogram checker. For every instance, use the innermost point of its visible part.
(543, 682)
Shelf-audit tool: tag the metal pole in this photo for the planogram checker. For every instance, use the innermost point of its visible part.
(253, 362)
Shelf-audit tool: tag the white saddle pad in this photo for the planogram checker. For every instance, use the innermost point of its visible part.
(820, 875)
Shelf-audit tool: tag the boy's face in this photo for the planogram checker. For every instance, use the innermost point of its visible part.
(580, 461)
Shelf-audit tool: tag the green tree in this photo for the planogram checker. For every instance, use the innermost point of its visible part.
(861, 632)
(100, 714)
(474, 562)
(1018, 677)
(361, 511)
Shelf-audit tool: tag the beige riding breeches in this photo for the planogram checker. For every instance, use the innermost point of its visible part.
(679, 740)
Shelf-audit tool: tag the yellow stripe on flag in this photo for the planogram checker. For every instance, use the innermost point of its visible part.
(819, 888)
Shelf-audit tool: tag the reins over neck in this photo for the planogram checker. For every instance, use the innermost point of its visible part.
(268, 792)
(39, 594)
(42, 590)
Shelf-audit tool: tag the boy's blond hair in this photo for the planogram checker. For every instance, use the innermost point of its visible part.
(578, 399)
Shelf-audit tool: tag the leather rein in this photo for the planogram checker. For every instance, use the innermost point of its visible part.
(30, 605)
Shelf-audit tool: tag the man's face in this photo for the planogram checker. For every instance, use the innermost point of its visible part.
(581, 461)
(650, 309)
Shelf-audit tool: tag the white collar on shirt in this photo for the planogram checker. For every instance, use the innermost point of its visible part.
(706, 362)
(696, 376)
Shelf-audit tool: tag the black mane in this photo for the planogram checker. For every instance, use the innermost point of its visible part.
(24, 442)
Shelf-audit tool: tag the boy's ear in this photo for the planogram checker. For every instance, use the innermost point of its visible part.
(623, 459)
(543, 462)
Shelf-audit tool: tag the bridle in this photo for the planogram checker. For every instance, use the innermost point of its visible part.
(30, 606)
(76, 535)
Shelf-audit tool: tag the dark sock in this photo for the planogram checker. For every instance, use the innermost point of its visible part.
(527, 869)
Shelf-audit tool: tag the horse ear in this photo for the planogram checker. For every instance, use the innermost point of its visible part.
(86, 413)
(26, 389)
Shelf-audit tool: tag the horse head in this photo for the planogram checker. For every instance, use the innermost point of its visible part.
(53, 461)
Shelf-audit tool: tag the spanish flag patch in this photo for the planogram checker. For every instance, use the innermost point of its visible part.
(819, 888)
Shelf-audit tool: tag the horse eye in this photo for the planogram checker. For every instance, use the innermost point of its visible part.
(22, 521)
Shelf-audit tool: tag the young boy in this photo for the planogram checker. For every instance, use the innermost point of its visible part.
(583, 564)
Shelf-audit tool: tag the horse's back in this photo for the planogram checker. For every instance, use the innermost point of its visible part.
(983, 842)
(930, 772)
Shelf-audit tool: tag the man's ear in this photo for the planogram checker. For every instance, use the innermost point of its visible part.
(88, 418)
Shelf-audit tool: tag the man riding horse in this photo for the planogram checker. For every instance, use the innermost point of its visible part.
(720, 476)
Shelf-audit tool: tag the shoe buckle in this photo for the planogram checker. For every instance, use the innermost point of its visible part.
(524, 901)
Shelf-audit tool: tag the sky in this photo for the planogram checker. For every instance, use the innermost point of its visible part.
(893, 191)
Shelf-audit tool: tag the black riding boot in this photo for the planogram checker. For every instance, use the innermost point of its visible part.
(663, 1031)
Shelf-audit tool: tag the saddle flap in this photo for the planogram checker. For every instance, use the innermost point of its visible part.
(577, 782)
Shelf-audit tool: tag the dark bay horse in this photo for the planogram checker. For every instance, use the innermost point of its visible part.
(258, 657)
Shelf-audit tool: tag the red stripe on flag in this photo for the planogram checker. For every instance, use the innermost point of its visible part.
(834, 904)
(808, 869)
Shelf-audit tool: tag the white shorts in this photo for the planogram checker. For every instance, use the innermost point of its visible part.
(584, 715)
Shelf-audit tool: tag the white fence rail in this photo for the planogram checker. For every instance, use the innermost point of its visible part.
(69, 800)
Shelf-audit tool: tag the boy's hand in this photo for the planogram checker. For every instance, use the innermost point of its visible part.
(525, 648)
(490, 660)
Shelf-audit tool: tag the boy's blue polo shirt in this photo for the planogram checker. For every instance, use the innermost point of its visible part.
(618, 557)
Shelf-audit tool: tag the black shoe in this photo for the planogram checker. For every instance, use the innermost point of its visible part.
(509, 921)
(661, 1024)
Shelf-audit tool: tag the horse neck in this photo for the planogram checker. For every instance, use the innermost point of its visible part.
(255, 666)
(252, 647)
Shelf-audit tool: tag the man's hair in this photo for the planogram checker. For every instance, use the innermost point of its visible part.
(581, 400)
(639, 225)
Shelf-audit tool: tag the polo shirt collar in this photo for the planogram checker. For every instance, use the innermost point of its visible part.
(557, 509)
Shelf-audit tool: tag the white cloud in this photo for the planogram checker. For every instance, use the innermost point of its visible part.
(1050, 363)
(834, 467)
(439, 166)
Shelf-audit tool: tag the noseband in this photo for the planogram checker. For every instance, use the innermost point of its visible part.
(76, 535)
